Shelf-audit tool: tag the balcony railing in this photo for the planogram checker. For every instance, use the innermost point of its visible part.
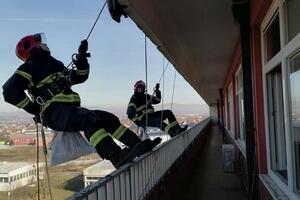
(135, 180)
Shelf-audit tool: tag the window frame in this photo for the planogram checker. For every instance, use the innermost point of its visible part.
(287, 50)
(238, 92)
(230, 109)
(271, 121)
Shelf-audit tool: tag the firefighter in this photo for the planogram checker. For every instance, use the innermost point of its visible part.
(138, 106)
(42, 85)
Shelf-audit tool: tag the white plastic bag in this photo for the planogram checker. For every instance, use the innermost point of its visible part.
(68, 146)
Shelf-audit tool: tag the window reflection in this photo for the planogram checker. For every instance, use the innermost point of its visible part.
(295, 112)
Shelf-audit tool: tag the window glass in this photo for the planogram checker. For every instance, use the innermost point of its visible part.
(293, 18)
(230, 108)
(272, 38)
(295, 112)
(276, 122)
(240, 105)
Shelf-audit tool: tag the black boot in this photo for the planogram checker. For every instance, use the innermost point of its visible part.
(148, 144)
(130, 139)
(180, 129)
(176, 130)
(126, 155)
(184, 128)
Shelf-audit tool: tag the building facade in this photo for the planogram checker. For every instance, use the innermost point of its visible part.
(96, 172)
(275, 65)
(15, 175)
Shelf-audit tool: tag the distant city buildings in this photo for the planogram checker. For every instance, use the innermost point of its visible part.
(17, 174)
(21, 132)
(96, 172)
(24, 139)
(14, 131)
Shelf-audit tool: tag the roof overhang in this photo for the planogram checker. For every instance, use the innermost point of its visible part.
(197, 37)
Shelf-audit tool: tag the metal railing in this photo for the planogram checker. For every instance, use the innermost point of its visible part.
(134, 180)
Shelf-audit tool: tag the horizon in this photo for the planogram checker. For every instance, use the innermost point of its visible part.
(120, 110)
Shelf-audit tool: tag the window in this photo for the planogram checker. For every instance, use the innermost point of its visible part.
(293, 19)
(230, 110)
(5, 180)
(276, 122)
(280, 41)
(240, 106)
(227, 111)
(295, 110)
(93, 178)
(272, 38)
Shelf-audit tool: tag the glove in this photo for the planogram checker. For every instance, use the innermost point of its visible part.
(83, 47)
(81, 57)
(158, 94)
(157, 86)
(157, 91)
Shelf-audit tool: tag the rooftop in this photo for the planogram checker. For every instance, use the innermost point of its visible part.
(6, 167)
(101, 168)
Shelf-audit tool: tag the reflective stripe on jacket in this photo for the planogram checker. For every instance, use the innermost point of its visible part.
(42, 69)
(136, 109)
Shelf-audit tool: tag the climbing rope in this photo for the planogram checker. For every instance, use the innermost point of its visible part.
(146, 70)
(156, 157)
(37, 159)
(89, 34)
(45, 152)
(162, 96)
(173, 90)
(163, 74)
(41, 102)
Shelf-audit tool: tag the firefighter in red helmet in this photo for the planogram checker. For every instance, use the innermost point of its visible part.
(141, 103)
(48, 81)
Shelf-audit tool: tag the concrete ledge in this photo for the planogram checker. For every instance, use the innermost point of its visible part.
(272, 187)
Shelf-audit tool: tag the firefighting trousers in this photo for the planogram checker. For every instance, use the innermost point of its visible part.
(157, 118)
(98, 127)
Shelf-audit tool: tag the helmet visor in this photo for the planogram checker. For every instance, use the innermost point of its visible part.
(40, 38)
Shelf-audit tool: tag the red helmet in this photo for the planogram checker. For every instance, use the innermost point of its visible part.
(139, 84)
(27, 44)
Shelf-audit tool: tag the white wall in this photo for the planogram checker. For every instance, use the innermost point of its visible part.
(11, 185)
(213, 112)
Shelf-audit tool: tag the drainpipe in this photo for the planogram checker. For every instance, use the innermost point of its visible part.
(241, 13)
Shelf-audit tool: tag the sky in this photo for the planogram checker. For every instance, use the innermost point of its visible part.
(117, 50)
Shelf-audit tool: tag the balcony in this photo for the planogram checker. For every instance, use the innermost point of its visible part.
(188, 166)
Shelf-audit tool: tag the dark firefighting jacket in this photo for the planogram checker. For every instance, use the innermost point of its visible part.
(44, 76)
(137, 108)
